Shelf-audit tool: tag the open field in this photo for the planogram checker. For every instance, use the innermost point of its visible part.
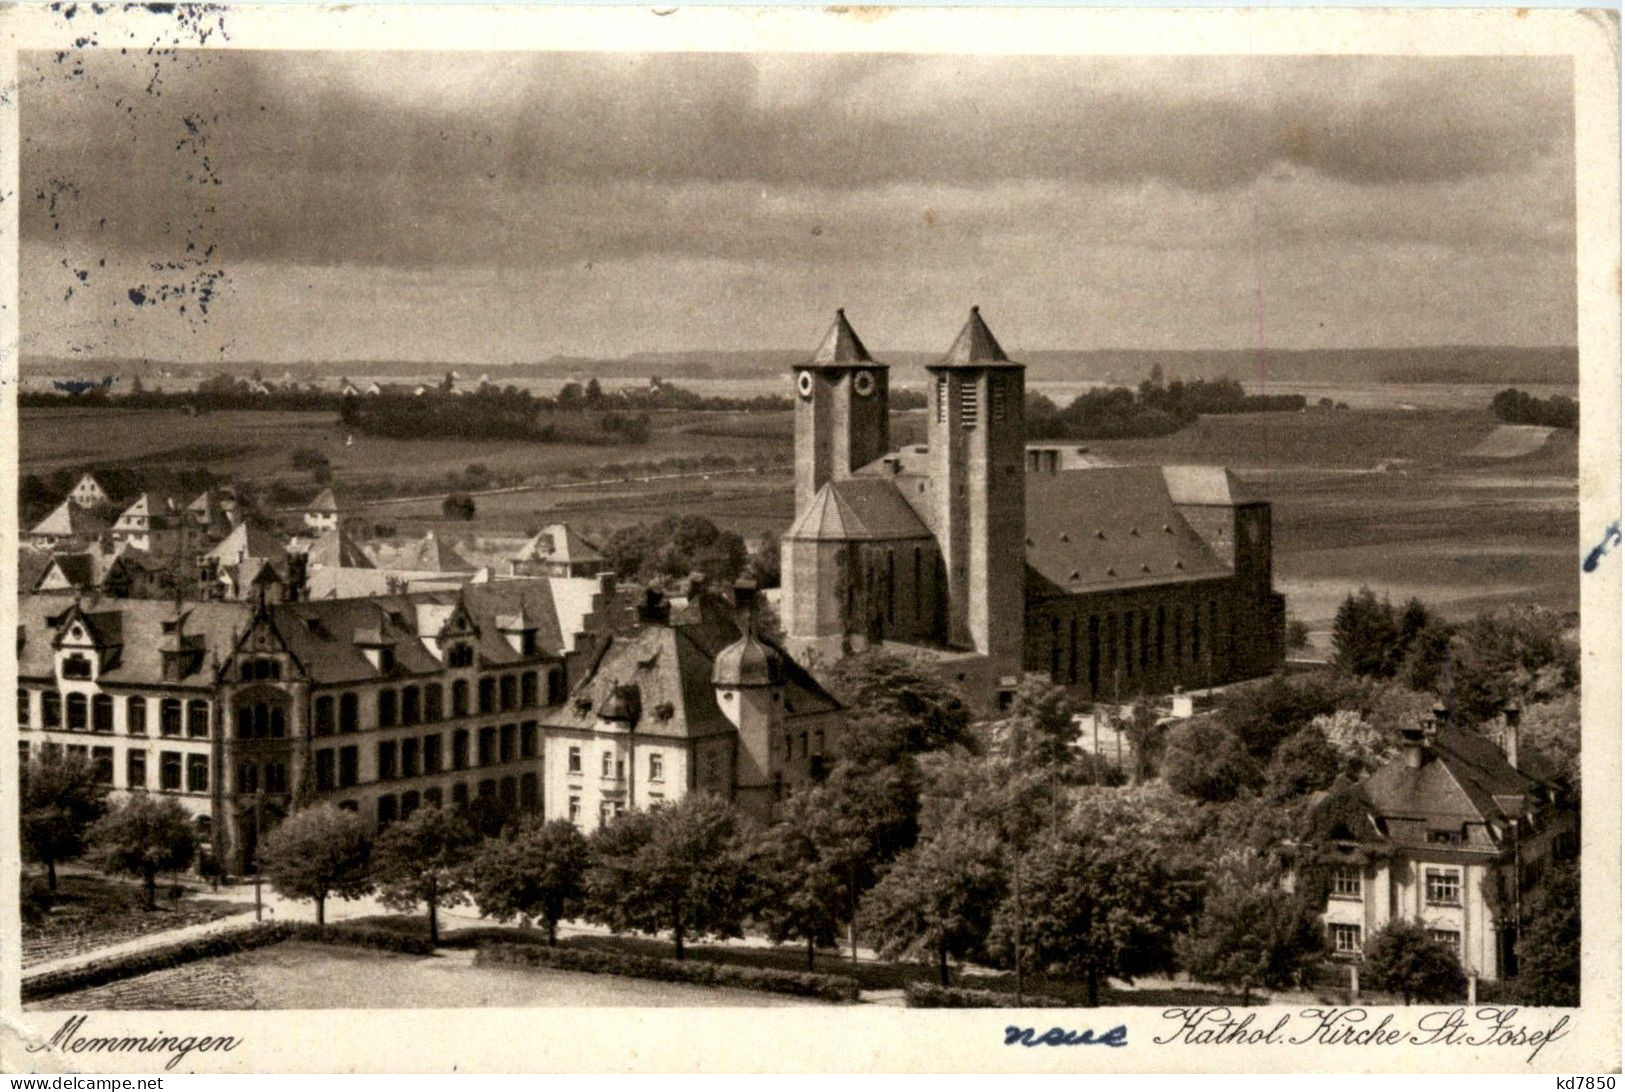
(298, 975)
(1389, 498)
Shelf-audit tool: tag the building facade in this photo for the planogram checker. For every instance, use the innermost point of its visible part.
(1114, 581)
(1454, 832)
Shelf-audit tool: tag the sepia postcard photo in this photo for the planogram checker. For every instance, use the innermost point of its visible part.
(683, 539)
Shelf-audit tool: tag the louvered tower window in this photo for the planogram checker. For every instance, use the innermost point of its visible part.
(967, 405)
(942, 399)
(998, 395)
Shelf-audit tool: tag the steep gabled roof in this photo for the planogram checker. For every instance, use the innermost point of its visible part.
(841, 347)
(1461, 777)
(558, 542)
(857, 509)
(1110, 527)
(334, 549)
(138, 627)
(68, 519)
(975, 347)
(325, 503)
(250, 539)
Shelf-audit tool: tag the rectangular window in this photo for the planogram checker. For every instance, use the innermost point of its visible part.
(51, 708)
(431, 754)
(434, 700)
(169, 716)
(197, 773)
(135, 716)
(1345, 938)
(101, 713)
(411, 706)
(459, 794)
(528, 690)
(1443, 886)
(386, 708)
(349, 765)
(325, 720)
(78, 713)
(1347, 884)
(510, 692)
(169, 771)
(657, 767)
(276, 777)
(996, 388)
(488, 695)
(575, 809)
(349, 715)
(967, 404)
(135, 769)
(1447, 936)
(510, 741)
(942, 399)
(386, 810)
(197, 718)
(386, 761)
(325, 780)
(575, 760)
(22, 707)
(101, 758)
(409, 758)
(609, 763)
(527, 739)
(488, 746)
(459, 749)
(555, 688)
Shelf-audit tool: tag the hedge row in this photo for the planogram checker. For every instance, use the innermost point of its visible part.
(100, 972)
(480, 935)
(361, 936)
(925, 995)
(825, 987)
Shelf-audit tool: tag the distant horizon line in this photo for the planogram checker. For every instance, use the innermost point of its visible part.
(639, 355)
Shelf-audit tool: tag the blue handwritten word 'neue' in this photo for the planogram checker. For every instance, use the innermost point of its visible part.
(1610, 538)
(1030, 1037)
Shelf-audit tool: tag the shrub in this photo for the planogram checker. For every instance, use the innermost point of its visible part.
(101, 972)
(825, 987)
(926, 995)
(360, 936)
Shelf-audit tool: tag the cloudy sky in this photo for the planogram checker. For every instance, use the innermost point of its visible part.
(237, 205)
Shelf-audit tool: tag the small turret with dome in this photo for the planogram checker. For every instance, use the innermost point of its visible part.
(749, 679)
(748, 662)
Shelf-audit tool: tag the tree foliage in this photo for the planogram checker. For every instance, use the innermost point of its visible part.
(937, 900)
(1549, 950)
(678, 866)
(537, 874)
(1403, 958)
(1205, 760)
(1251, 933)
(1306, 762)
(676, 546)
(318, 852)
(144, 836)
(897, 707)
(60, 799)
(424, 858)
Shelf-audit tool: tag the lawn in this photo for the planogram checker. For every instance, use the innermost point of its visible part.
(93, 912)
(299, 975)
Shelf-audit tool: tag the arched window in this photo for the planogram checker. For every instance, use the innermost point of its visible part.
(386, 708)
(434, 702)
(488, 694)
(245, 722)
(262, 720)
(459, 698)
(248, 777)
(409, 803)
(279, 726)
(78, 712)
(411, 705)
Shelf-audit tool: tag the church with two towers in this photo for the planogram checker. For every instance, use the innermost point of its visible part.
(996, 556)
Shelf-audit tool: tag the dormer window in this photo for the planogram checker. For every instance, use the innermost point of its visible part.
(76, 665)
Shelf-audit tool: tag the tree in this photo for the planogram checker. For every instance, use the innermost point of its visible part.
(854, 822)
(1205, 760)
(1365, 635)
(903, 707)
(938, 898)
(539, 873)
(679, 866)
(1359, 746)
(1305, 763)
(142, 837)
(1403, 958)
(319, 852)
(1297, 635)
(60, 798)
(1553, 729)
(1251, 933)
(1092, 906)
(1265, 713)
(457, 506)
(676, 546)
(1549, 950)
(1040, 733)
(1516, 652)
(795, 894)
(424, 859)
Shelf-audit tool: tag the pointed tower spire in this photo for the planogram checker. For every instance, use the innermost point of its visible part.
(975, 346)
(841, 347)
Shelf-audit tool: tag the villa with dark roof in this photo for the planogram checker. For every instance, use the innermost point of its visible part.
(1003, 558)
(1454, 831)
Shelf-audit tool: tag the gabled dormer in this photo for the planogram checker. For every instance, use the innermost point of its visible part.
(377, 646)
(87, 643)
(519, 630)
(448, 632)
(180, 652)
(261, 654)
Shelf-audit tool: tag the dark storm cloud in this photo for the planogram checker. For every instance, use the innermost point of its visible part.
(438, 159)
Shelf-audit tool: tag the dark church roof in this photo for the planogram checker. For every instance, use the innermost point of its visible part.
(975, 347)
(1110, 527)
(857, 508)
(841, 347)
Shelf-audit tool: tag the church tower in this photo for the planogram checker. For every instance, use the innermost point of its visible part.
(977, 440)
(841, 412)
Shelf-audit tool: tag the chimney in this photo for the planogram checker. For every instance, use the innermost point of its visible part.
(1509, 736)
(745, 605)
(1412, 742)
(654, 608)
